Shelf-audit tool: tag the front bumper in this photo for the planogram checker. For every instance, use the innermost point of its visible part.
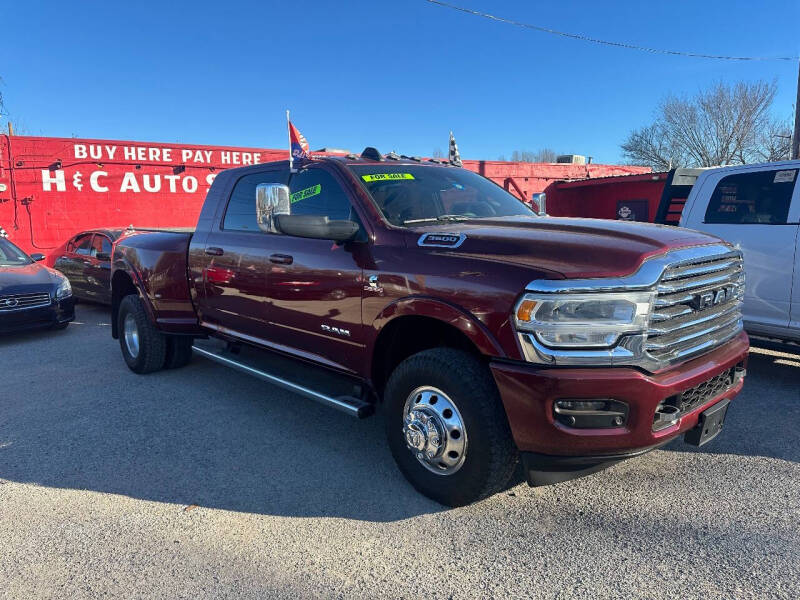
(528, 393)
(60, 311)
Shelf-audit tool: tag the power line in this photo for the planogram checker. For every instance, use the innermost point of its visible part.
(576, 36)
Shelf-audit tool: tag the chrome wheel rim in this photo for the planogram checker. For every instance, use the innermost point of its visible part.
(131, 334)
(434, 430)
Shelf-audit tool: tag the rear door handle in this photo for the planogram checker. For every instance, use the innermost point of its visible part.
(214, 251)
(281, 259)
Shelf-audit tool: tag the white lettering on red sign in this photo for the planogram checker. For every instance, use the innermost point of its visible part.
(129, 183)
(132, 181)
(53, 177)
(155, 186)
(157, 154)
(94, 183)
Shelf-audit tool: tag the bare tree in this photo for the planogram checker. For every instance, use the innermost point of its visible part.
(543, 155)
(776, 141)
(721, 125)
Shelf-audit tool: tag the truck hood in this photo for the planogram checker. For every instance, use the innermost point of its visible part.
(566, 247)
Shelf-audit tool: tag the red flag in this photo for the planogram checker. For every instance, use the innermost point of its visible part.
(299, 145)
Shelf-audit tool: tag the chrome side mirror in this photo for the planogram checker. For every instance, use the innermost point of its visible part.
(272, 199)
(539, 203)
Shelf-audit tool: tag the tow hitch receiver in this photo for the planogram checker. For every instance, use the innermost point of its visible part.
(708, 425)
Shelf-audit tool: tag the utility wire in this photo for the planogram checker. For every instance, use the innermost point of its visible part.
(576, 36)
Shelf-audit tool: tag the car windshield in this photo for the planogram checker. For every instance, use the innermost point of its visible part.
(414, 194)
(11, 256)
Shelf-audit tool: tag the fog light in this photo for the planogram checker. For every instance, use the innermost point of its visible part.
(603, 413)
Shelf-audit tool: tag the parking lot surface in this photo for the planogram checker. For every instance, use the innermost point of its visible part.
(203, 482)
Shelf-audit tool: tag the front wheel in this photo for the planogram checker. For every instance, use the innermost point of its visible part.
(446, 427)
(144, 347)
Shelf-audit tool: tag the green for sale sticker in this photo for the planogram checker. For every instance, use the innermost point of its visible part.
(386, 176)
(306, 193)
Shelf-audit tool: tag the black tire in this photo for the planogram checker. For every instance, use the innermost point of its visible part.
(179, 351)
(152, 344)
(490, 454)
(59, 326)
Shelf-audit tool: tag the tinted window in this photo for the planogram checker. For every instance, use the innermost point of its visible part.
(760, 197)
(83, 244)
(316, 192)
(241, 212)
(101, 244)
(414, 193)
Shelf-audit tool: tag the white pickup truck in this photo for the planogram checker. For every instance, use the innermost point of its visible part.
(758, 208)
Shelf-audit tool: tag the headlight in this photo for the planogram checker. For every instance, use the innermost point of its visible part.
(583, 320)
(64, 289)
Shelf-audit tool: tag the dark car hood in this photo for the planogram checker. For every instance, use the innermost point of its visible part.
(569, 247)
(25, 279)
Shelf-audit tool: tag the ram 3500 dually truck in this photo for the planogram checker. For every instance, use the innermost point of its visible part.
(486, 333)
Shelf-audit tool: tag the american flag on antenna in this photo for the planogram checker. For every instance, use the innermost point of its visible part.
(454, 156)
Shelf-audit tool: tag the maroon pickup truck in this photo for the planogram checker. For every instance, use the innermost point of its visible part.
(487, 334)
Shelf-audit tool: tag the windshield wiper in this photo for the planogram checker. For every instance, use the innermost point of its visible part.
(440, 218)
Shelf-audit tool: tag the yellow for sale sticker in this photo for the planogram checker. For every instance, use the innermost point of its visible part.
(386, 176)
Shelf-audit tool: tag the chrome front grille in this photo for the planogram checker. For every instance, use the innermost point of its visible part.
(23, 301)
(697, 307)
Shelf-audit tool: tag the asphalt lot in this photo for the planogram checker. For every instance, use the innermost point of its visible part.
(202, 482)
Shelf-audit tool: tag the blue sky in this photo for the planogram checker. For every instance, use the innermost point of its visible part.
(397, 75)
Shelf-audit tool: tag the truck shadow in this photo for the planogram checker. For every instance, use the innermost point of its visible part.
(202, 435)
(73, 416)
(762, 420)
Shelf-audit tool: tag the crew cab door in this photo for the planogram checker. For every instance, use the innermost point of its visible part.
(315, 285)
(759, 210)
(234, 296)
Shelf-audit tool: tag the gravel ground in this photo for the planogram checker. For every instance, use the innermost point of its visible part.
(202, 482)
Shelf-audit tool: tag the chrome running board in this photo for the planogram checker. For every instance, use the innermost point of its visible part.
(355, 407)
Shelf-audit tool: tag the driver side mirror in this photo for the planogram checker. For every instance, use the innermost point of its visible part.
(539, 203)
(318, 227)
(38, 257)
(272, 199)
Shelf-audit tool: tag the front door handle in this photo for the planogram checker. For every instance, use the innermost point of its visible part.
(281, 259)
(214, 251)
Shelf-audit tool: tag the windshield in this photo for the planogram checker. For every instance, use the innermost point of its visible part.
(411, 194)
(11, 256)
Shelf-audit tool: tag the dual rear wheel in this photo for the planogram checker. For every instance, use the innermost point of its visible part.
(144, 348)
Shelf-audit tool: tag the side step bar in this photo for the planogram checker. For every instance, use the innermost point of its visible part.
(355, 407)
